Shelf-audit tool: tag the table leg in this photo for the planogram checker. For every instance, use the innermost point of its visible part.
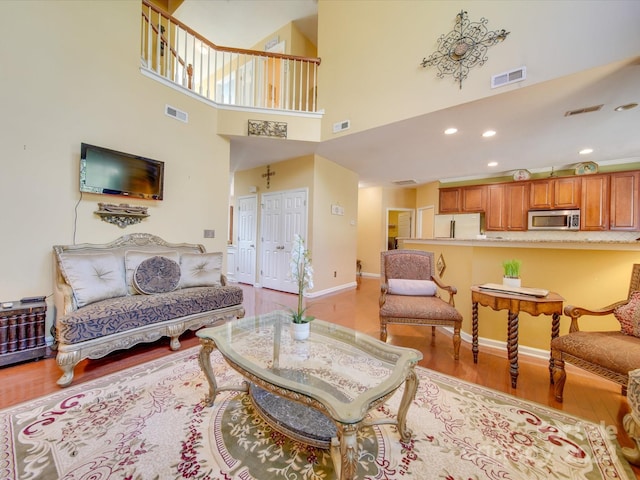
(474, 326)
(555, 331)
(410, 388)
(512, 347)
(204, 359)
(344, 452)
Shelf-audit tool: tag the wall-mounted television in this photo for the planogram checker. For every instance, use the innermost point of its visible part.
(107, 171)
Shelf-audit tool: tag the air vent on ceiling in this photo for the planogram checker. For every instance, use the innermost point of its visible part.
(403, 183)
(340, 126)
(578, 111)
(512, 76)
(177, 114)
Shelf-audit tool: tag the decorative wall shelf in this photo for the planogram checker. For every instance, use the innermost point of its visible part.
(121, 215)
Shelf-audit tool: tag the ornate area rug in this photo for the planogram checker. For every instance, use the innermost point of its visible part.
(149, 422)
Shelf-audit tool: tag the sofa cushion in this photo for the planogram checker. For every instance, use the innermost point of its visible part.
(403, 286)
(156, 275)
(629, 315)
(94, 277)
(126, 313)
(200, 269)
(133, 258)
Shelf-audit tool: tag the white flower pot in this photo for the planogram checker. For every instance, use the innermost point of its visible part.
(511, 282)
(300, 331)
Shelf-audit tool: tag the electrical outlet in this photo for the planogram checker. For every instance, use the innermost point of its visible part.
(209, 234)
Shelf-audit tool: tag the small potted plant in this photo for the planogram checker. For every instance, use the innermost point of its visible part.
(302, 274)
(511, 276)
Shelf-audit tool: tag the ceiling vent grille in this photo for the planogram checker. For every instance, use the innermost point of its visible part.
(512, 76)
(578, 111)
(340, 126)
(177, 114)
(404, 183)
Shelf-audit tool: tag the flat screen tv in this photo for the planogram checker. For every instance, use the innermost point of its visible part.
(116, 173)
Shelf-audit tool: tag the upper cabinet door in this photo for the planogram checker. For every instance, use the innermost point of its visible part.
(594, 213)
(566, 192)
(449, 200)
(474, 198)
(625, 194)
(555, 193)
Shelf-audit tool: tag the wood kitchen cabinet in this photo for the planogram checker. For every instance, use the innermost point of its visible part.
(555, 193)
(463, 199)
(450, 200)
(507, 206)
(594, 214)
(625, 195)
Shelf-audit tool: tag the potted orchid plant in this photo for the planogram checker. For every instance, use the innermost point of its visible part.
(302, 274)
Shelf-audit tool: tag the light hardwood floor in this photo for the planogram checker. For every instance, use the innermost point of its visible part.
(586, 395)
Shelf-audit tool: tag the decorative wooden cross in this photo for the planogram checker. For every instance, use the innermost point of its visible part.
(268, 175)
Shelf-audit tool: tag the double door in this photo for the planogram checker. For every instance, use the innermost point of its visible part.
(284, 214)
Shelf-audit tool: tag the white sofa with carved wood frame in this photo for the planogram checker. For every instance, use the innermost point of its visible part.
(135, 289)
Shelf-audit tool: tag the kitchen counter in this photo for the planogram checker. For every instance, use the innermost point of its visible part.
(582, 244)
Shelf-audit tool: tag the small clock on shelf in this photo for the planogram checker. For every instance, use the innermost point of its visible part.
(520, 175)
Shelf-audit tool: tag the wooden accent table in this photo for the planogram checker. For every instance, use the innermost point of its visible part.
(551, 304)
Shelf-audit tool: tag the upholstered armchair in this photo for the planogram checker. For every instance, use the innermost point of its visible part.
(409, 294)
(609, 354)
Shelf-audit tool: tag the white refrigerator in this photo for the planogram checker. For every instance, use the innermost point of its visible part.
(459, 225)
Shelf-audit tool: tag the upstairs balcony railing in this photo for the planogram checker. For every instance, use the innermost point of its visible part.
(225, 75)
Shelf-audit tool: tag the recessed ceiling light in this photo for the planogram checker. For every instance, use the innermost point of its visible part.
(586, 151)
(628, 106)
(492, 164)
(489, 133)
(450, 131)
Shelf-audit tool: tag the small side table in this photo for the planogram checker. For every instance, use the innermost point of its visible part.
(22, 332)
(548, 305)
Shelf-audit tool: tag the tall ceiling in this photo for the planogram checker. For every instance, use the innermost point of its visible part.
(533, 131)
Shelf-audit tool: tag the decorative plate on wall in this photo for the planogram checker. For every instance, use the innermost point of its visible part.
(586, 168)
(519, 175)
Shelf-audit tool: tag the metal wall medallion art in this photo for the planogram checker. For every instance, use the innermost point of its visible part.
(463, 48)
(266, 128)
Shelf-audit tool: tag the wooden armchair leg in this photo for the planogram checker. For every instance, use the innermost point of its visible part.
(559, 376)
(383, 330)
(456, 342)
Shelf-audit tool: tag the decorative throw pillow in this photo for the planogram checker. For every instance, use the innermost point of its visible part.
(94, 277)
(629, 315)
(402, 286)
(200, 269)
(156, 275)
(133, 258)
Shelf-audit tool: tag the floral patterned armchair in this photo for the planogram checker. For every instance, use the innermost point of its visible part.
(409, 294)
(609, 354)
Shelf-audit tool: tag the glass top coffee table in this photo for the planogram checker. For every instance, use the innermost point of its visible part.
(317, 390)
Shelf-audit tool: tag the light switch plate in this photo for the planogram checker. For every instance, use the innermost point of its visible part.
(209, 234)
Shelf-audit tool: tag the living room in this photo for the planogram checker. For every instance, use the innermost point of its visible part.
(76, 78)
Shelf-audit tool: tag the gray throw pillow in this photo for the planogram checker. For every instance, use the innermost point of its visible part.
(156, 275)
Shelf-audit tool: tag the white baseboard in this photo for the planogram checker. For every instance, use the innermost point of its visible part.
(498, 345)
(327, 291)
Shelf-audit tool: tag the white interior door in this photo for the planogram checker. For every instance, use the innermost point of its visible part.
(247, 208)
(284, 214)
(404, 224)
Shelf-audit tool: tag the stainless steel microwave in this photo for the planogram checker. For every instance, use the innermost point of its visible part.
(554, 220)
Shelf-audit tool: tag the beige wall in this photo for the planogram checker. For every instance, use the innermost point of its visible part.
(374, 203)
(371, 51)
(75, 78)
(331, 238)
